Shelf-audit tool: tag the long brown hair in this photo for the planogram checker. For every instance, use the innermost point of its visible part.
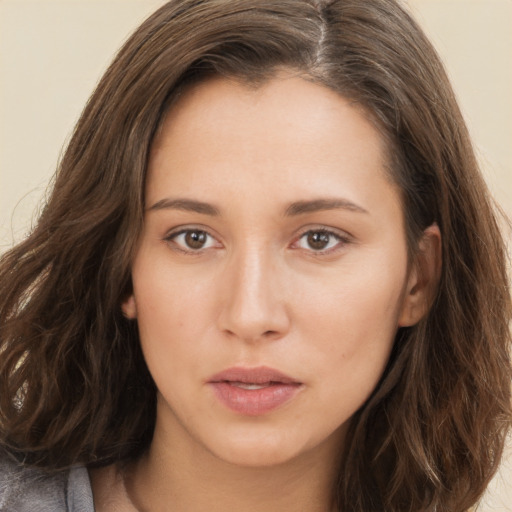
(74, 387)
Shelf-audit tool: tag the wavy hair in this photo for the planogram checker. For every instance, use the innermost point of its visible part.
(74, 387)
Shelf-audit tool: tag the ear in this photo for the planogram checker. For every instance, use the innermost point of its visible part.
(423, 278)
(129, 307)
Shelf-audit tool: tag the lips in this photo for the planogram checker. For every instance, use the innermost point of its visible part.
(253, 391)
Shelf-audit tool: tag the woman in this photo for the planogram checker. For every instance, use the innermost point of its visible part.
(269, 277)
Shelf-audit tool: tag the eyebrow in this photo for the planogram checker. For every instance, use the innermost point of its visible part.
(317, 205)
(295, 208)
(189, 205)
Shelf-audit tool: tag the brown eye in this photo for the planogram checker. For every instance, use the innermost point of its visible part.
(318, 240)
(195, 239)
(192, 240)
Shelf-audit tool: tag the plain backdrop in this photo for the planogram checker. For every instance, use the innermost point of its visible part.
(53, 52)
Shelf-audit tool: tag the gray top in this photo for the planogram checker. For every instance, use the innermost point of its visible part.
(31, 490)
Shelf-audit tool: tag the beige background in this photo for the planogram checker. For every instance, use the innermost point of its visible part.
(52, 52)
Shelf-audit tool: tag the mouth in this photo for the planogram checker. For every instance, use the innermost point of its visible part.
(251, 386)
(253, 391)
(261, 375)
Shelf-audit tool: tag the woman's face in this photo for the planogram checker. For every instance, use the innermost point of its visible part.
(271, 275)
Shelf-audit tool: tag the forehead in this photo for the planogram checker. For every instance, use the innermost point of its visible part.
(286, 91)
(287, 131)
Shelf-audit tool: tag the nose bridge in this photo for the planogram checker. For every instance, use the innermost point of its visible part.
(254, 305)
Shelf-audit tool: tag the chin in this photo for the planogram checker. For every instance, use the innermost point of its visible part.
(253, 449)
(260, 448)
(257, 457)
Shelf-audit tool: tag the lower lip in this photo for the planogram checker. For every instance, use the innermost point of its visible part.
(254, 402)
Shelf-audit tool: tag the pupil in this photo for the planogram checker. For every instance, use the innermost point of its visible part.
(195, 239)
(318, 240)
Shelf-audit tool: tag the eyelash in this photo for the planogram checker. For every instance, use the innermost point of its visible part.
(339, 238)
(171, 238)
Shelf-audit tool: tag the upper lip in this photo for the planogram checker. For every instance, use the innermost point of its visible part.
(258, 375)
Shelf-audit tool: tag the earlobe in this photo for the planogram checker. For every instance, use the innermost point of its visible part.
(129, 307)
(423, 278)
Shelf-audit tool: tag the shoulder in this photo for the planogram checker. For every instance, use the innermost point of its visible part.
(25, 489)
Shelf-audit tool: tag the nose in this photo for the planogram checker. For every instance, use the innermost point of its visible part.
(254, 305)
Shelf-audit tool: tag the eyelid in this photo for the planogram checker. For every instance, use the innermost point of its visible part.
(172, 234)
(343, 237)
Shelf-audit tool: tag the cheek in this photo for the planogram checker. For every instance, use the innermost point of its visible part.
(354, 319)
(363, 302)
(172, 315)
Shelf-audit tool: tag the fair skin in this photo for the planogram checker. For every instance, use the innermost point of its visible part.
(273, 237)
